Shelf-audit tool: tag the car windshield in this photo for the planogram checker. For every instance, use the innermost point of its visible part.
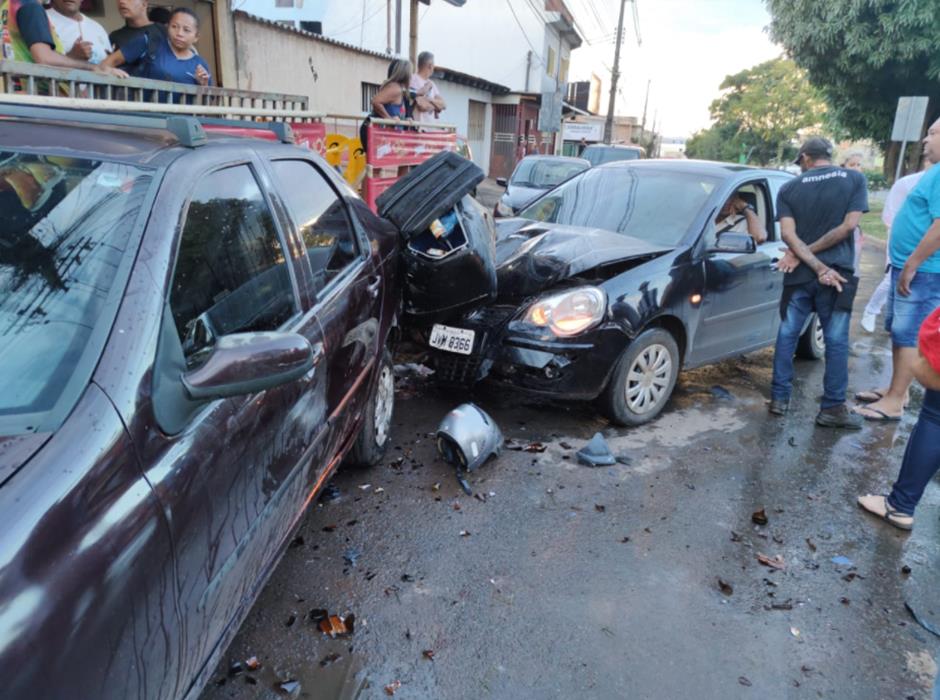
(66, 228)
(545, 174)
(657, 206)
(598, 155)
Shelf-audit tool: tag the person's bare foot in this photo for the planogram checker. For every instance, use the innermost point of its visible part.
(877, 395)
(887, 409)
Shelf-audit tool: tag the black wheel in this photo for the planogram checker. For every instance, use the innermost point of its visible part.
(643, 379)
(812, 344)
(373, 438)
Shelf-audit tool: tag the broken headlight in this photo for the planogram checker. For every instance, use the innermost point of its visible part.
(568, 313)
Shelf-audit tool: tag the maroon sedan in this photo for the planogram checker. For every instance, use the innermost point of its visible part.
(192, 336)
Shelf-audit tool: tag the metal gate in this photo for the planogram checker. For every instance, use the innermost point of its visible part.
(503, 157)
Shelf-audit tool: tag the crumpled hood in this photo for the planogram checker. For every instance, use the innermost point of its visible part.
(16, 450)
(533, 256)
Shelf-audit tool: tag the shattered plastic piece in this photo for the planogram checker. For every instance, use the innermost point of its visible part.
(465, 533)
(236, 669)
(794, 631)
(289, 687)
(336, 626)
(466, 438)
(759, 517)
(351, 556)
(906, 570)
(811, 544)
(841, 561)
(392, 687)
(329, 659)
(596, 453)
(719, 392)
(565, 446)
(365, 487)
(626, 460)
(599, 508)
(743, 680)
(725, 587)
(253, 664)
(774, 562)
(428, 654)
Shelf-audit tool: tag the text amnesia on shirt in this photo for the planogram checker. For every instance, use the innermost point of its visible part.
(827, 176)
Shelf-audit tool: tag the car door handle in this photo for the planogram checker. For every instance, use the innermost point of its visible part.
(375, 284)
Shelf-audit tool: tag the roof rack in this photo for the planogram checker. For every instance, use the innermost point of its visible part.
(187, 130)
(183, 121)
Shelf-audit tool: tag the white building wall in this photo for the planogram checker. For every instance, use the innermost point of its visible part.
(457, 113)
(492, 39)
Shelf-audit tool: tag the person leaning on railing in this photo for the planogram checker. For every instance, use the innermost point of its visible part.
(29, 36)
(172, 59)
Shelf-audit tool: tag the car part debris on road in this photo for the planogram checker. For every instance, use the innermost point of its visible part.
(596, 453)
(466, 438)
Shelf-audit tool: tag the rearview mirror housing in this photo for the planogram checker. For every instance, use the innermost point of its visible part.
(733, 242)
(246, 363)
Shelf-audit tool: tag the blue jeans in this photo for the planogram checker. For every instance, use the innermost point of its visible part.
(835, 323)
(921, 458)
(904, 315)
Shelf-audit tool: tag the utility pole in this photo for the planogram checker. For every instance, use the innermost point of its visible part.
(398, 27)
(645, 105)
(413, 35)
(614, 75)
(388, 27)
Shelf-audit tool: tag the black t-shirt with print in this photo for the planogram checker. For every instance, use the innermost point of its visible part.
(818, 201)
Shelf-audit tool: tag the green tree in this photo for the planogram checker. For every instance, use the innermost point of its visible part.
(863, 55)
(759, 114)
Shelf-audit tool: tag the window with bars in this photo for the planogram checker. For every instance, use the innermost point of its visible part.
(369, 91)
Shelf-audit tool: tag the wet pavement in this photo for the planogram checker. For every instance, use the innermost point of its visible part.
(640, 580)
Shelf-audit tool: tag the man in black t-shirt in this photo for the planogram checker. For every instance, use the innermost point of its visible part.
(136, 22)
(818, 211)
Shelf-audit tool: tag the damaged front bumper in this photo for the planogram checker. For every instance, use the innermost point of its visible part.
(570, 368)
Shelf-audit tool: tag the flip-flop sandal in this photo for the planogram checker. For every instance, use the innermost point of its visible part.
(900, 520)
(869, 396)
(882, 417)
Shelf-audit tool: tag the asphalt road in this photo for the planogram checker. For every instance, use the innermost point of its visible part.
(562, 581)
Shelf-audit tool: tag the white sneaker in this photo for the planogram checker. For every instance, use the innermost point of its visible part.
(868, 322)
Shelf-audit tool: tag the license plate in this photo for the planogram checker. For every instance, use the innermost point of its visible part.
(459, 340)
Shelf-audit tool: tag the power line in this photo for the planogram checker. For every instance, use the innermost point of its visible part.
(522, 29)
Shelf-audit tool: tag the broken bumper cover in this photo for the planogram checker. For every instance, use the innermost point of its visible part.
(571, 368)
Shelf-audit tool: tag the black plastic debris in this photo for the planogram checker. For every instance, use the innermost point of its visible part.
(596, 453)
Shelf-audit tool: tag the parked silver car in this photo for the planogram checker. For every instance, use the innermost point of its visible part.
(533, 176)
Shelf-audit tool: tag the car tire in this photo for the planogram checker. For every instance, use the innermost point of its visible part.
(812, 344)
(375, 432)
(643, 379)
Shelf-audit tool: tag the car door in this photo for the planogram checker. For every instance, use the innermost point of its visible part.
(231, 472)
(347, 289)
(742, 289)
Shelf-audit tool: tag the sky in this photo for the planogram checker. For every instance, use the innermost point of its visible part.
(688, 47)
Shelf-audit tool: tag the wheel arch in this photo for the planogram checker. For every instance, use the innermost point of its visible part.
(676, 328)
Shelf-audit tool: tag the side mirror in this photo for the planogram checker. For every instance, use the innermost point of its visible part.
(732, 242)
(246, 363)
(502, 182)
